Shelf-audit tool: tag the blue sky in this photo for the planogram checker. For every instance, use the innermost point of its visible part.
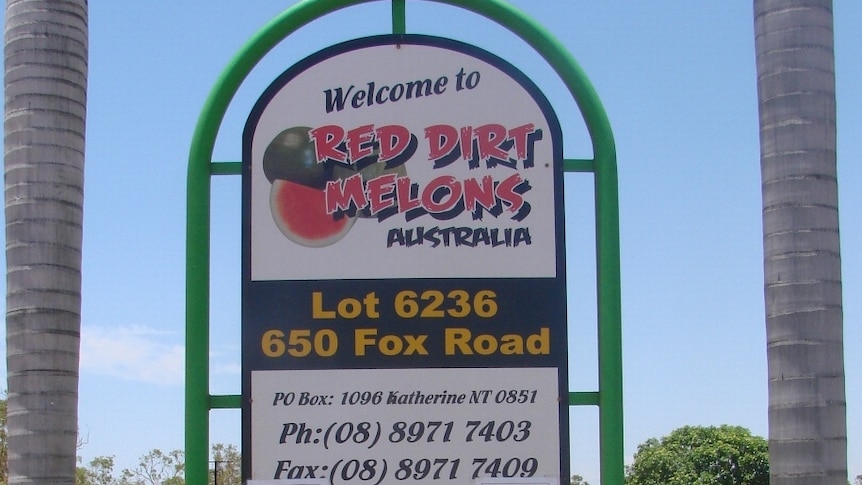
(677, 79)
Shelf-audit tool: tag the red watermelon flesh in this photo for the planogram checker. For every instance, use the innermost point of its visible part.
(299, 212)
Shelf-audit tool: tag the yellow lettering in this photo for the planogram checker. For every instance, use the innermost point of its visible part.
(391, 345)
(458, 338)
(317, 311)
(540, 343)
(363, 337)
(485, 344)
(349, 308)
(512, 344)
(371, 302)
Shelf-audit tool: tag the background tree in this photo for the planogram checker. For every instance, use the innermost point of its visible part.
(44, 117)
(157, 468)
(802, 262)
(226, 465)
(99, 471)
(160, 468)
(578, 480)
(695, 455)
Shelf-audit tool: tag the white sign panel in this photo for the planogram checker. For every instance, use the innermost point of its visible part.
(457, 425)
(402, 161)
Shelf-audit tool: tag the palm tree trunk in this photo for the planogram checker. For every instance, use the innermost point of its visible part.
(802, 264)
(45, 90)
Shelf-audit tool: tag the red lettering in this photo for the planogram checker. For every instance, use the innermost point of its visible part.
(340, 194)
(380, 190)
(326, 140)
(467, 142)
(519, 136)
(490, 137)
(402, 191)
(444, 201)
(482, 194)
(506, 192)
(394, 139)
(442, 139)
(359, 142)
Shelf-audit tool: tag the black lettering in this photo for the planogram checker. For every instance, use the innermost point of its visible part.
(337, 102)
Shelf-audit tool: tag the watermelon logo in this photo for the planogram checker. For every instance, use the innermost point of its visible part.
(298, 197)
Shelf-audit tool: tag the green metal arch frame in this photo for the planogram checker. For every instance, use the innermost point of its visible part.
(603, 164)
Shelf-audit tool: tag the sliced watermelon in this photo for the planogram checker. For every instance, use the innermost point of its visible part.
(299, 212)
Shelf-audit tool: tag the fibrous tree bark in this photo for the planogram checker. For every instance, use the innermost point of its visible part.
(46, 46)
(802, 262)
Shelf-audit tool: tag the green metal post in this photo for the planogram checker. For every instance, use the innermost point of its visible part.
(399, 17)
(609, 325)
(197, 320)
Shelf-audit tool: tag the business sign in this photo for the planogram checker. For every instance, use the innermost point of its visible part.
(403, 271)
